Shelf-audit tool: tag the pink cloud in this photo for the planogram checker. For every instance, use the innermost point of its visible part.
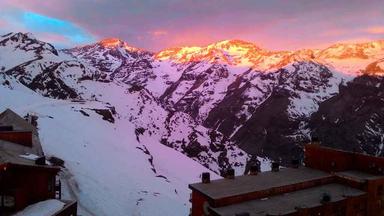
(158, 33)
(375, 30)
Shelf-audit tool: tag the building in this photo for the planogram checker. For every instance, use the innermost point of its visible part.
(332, 183)
(25, 177)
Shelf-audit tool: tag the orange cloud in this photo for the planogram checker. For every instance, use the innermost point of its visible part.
(376, 30)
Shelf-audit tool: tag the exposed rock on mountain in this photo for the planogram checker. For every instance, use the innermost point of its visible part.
(354, 119)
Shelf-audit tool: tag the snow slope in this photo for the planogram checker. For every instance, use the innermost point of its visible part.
(115, 174)
(44, 208)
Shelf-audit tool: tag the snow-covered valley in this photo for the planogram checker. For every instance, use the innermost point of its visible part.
(114, 173)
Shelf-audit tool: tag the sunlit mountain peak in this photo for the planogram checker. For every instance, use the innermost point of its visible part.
(111, 42)
(362, 50)
(234, 44)
(116, 43)
(226, 51)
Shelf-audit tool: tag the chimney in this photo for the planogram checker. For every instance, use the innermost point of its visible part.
(205, 178)
(40, 161)
(230, 174)
(275, 166)
(31, 119)
(325, 198)
(254, 170)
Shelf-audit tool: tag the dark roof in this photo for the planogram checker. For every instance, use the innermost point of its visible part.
(10, 153)
(14, 157)
(288, 203)
(223, 188)
(358, 175)
(8, 117)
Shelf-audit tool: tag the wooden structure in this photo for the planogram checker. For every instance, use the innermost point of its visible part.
(22, 185)
(331, 183)
(25, 178)
(20, 137)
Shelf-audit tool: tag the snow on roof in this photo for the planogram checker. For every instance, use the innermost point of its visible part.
(44, 208)
(29, 156)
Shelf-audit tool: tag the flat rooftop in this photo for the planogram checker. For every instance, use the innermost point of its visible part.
(358, 175)
(289, 202)
(223, 188)
(10, 118)
(8, 155)
(14, 154)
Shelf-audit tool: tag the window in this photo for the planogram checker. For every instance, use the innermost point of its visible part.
(51, 184)
(7, 201)
(380, 190)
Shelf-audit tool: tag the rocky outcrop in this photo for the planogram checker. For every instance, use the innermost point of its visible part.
(354, 119)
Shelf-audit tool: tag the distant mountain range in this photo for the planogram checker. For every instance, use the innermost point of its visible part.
(221, 104)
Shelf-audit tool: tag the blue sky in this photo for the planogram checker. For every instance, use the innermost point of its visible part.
(40, 23)
(61, 32)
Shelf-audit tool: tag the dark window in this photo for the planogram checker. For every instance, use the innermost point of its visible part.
(7, 201)
(51, 184)
(380, 190)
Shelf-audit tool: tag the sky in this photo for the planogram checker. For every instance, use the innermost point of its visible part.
(159, 24)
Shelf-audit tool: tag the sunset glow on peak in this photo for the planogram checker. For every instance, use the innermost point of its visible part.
(234, 43)
(111, 42)
(232, 52)
(117, 43)
(246, 54)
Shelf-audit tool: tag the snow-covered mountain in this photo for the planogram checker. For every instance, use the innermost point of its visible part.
(114, 171)
(121, 116)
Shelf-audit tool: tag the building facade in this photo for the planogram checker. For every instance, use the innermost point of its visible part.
(25, 177)
(332, 183)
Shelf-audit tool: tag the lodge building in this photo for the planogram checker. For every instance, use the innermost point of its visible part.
(25, 176)
(332, 183)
